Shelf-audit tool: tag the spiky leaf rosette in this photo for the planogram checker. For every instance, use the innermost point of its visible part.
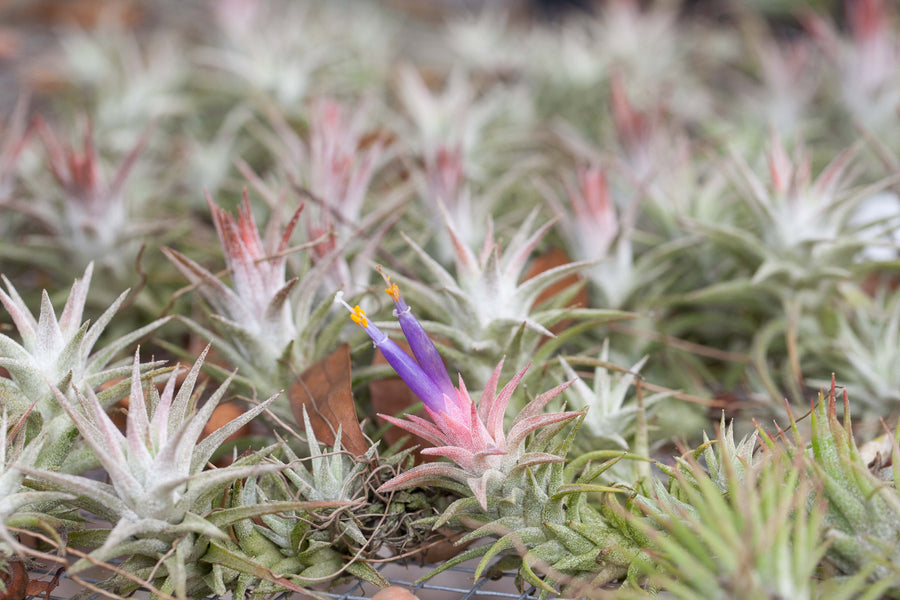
(281, 69)
(609, 420)
(15, 499)
(88, 217)
(336, 166)
(260, 330)
(798, 243)
(800, 233)
(863, 516)
(511, 481)
(749, 527)
(321, 528)
(604, 237)
(867, 348)
(59, 352)
(159, 487)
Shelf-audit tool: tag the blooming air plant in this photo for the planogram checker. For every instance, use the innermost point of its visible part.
(511, 481)
(470, 435)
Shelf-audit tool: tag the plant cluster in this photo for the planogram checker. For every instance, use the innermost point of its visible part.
(633, 242)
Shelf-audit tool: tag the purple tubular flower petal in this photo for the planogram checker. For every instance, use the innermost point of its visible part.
(411, 373)
(406, 367)
(422, 347)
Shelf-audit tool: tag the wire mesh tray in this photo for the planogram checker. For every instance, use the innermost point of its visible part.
(456, 583)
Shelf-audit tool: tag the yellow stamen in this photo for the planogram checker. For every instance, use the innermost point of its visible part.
(358, 316)
(394, 292)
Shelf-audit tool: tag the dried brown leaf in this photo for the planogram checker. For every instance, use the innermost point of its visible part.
(15, 579)
(325, 390)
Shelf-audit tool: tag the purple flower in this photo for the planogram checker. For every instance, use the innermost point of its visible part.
(423, 376)
(470, 435)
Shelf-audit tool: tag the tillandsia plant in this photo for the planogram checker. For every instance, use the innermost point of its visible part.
(744, 527)
(160, 488)
(602, 235)
(610, 420)
(261, 330)
(865, 81)
(322, 520)
(799, 245)
(59, 352)
(128, 81)
(863, 499)
(864, 349)
(85, 215)
(336, 168)
(22, 507)
(511, 480)
(281, 69)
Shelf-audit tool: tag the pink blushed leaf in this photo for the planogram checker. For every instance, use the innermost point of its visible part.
(535, 406)
(478, 485)
(435, 436)
(423, 475)
(489, 393)
(523, 427)
(73, 310)
(460, 456)
(498, 407)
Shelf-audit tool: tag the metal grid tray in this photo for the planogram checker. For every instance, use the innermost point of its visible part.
(456, 583)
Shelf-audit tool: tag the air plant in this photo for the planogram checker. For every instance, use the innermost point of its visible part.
(863, 347)
(610, 420)
(130, 83)
(60, 353)
(309, 529)
(577, 59)
(474, 440)
(85, 215)
(23, 507)
(281, 68)
(789, 79)
(754, 530)
(487, 41)
(335, 168)
(452, 132)
(450, 123)
(799, 245)
(511, 480)
(867, 63)
(862, 515)
(261, 330)
(160, 488)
